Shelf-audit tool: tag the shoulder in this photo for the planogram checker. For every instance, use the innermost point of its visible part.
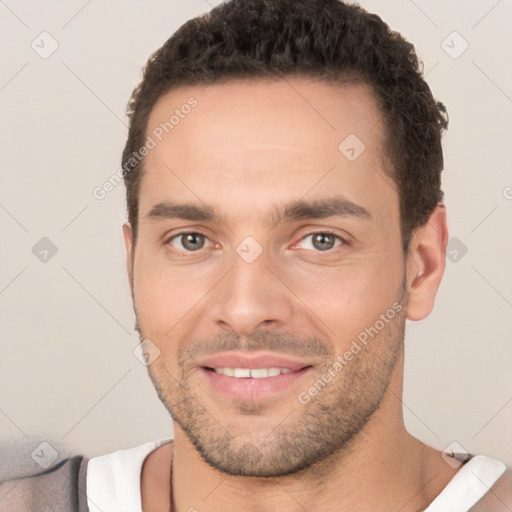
(499, 496)
(155, 477)
(60, 488)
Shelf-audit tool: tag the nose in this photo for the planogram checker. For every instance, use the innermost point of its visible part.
(251, 297)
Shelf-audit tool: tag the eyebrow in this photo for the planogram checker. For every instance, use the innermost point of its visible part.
(167, 210)
(297, 210)
(320, 209)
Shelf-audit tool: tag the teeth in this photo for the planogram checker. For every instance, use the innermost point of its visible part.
(255, 373)
(260, 373)
(241, 372)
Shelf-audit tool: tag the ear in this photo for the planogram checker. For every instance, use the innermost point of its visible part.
(130, 249)
(426, 262)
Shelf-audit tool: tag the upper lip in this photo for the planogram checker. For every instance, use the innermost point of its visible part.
(251, 360)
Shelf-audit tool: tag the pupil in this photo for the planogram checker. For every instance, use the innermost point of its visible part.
(323, 241)
(193, 241)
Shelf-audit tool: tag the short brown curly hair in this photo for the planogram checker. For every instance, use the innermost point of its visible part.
(326, 39)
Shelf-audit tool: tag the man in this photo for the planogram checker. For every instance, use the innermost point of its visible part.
(283, 170)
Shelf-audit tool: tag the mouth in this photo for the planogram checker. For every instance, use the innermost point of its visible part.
(252, 373)
(256, 376)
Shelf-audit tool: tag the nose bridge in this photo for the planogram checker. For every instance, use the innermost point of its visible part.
(250, 295)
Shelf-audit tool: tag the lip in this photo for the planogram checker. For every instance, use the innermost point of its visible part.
(249, 388)
(252, 360)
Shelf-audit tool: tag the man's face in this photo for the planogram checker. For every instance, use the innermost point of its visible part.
(264, 250)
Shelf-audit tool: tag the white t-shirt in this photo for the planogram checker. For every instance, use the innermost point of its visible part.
(113, 481)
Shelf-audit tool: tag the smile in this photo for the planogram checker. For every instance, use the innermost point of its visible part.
(253, 376)
(252, 373)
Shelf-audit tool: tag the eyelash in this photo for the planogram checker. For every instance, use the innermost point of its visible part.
(336, 248)
(343, 241)
(184, 252)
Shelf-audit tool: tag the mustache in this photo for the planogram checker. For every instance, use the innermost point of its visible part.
(283, 342)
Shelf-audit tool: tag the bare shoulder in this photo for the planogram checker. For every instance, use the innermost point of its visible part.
(499, 497)
(156, 478)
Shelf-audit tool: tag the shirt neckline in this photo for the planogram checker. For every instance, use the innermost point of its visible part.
(113, 481)
(468, 485)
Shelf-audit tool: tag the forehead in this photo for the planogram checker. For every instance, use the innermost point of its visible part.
(267, 111)
(285, 137)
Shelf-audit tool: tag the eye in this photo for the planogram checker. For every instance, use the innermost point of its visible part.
(321, 241)
(188, 241)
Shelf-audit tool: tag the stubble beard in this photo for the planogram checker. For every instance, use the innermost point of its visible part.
(322, 428)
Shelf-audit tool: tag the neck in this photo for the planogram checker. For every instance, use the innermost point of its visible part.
(384, 468)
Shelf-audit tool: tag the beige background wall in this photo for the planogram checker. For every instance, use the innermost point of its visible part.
(67, 371)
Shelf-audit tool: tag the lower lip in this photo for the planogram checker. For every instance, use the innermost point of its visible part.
(253, 389)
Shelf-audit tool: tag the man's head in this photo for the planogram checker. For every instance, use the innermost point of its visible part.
(270, 223)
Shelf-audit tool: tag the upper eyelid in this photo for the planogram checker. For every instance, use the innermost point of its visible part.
(323, 232)
(168, 237)
(177, 235)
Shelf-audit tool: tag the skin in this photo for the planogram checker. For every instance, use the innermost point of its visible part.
(248, 149)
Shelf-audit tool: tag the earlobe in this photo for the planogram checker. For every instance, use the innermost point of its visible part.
(426, 263)
(128, 242)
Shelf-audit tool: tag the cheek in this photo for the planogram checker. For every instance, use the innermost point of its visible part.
(351, 297)
(167, 298)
